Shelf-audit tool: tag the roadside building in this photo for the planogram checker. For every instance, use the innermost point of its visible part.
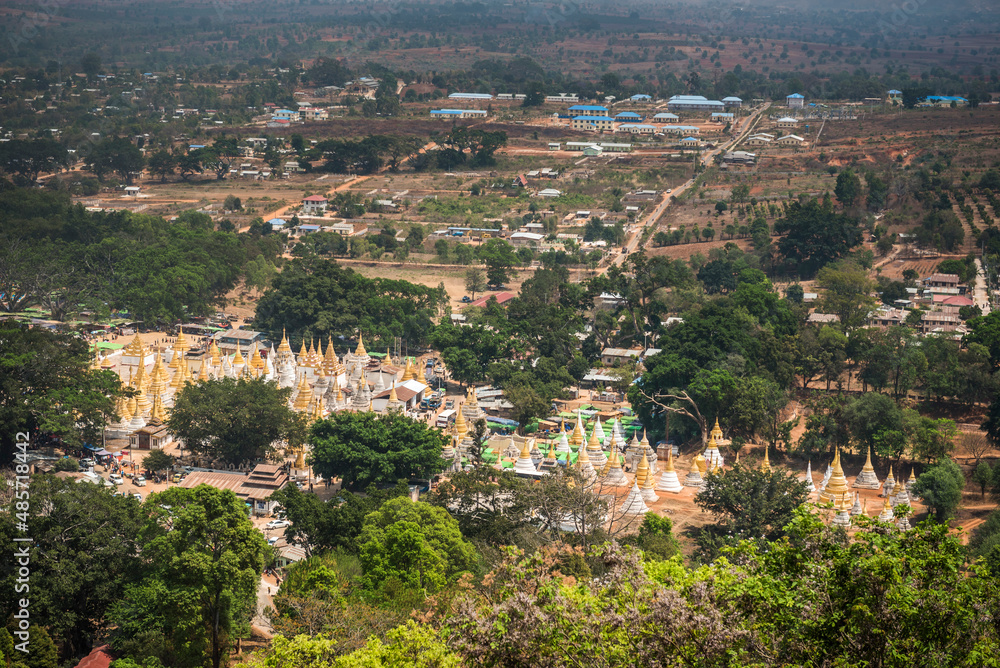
(790, 140)
(314, 204)
(681, 103)
(795, 101)
(595, 123)
(618, 356)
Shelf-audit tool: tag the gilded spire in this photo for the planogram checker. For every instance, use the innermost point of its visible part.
(765, 465)
(283, 347)
(716, 431)
(238, 359)
(213, 350)
(670, 458)
(360, 350)
(576, 438)
(421, 378)
(157, 412)
(642, 471)
(303, 356)
(460, 423)
(203, 371)
(393, 398)
(407, 371)
(311, 355)
(700, 464)
(304, 395)
(868, 462)
(181, 344)
(134, 348)
(836, 487)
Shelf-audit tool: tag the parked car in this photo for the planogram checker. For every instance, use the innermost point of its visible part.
(272, 540)
(449, 404)
(137, 496)
(466, 299)
(87, 462)
(177, 478)
(277, 524)
(139, 481)
(116, 479)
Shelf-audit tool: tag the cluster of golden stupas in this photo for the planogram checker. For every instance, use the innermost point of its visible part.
(318, 378)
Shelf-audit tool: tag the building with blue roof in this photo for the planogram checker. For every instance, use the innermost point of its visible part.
(640, 98)
(795, 101)
(588, 110)
(628, 116)
(943, 101)
(681, 129)
(664, 116)
(637, 128)
(732, 101)
(599, 123)
(722, 116)
(285, 115)
(458, 113)
(693, 103)
(470, 96)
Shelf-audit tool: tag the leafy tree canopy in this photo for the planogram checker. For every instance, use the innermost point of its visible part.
(415, 543)
(366, 448)
(319, 298)
(234, 420)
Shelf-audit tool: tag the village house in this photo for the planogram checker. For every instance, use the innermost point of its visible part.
(314, 204)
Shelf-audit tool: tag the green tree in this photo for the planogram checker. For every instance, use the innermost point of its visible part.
(489, 505)
(983, 476)
(316, 297)
(408, 646)
(848, 188)
(418, 544)
(941, 487)
(234, 420)
(82, 556)
(163, 163)
(90, 63)
(24, 159)
(815, 235)
(846, 293)
(47, 386)
(366, 448)
(475, 280)
(158, 460)
(500, 260)
(115, 155)
(202, 564)
(749, 504)
(331, 525)
(656, 538)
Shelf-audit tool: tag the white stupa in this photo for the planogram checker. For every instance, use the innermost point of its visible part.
(524, 463)
(693, 478)
(810, 486)
(563, 444)
(633, 504)
(668, 479)
(867, 478)
(615, 476)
